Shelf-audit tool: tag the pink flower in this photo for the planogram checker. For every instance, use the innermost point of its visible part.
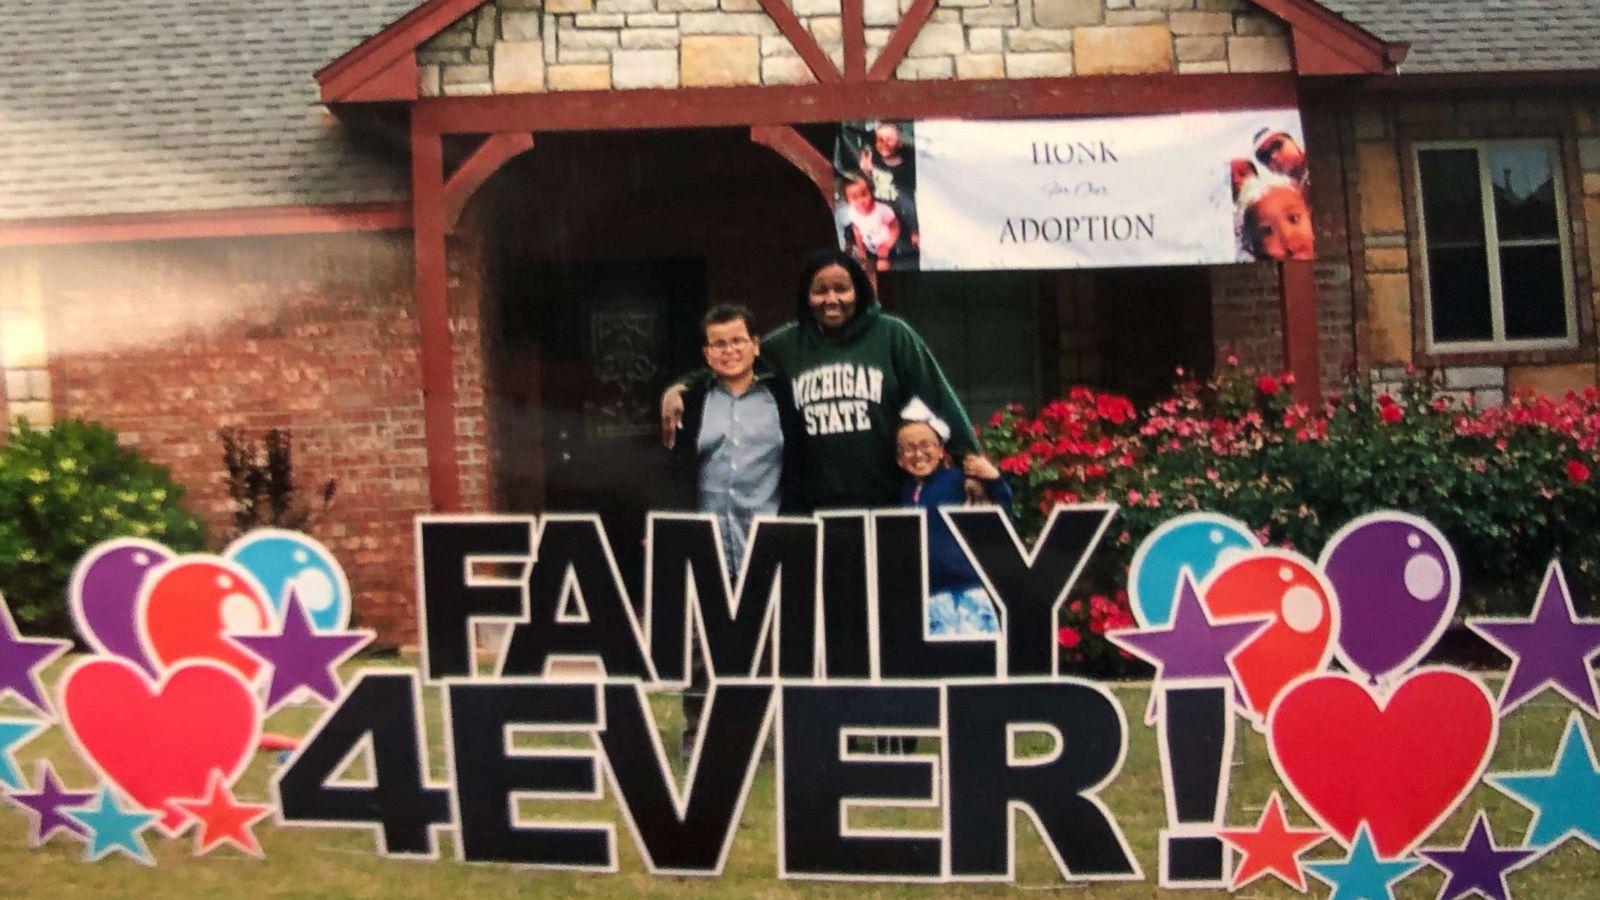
(1392, 414)
(1577, 472)
(1267, 385)
(1069, 637)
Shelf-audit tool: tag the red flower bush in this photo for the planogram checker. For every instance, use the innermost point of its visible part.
(1509, 485)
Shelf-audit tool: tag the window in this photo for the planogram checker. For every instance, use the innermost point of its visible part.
(1495, 250)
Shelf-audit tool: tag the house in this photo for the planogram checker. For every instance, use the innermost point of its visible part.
(456, 246)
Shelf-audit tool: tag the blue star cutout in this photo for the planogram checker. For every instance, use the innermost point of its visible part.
(1362, 875)
(1566, 799)
(113, 828)
(13, 734)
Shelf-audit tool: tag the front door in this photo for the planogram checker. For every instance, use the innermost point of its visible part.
(610, 335)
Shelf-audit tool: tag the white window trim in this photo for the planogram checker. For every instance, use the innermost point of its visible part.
(1499, 344)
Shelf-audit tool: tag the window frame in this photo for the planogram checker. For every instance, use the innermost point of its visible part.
(1494, 247)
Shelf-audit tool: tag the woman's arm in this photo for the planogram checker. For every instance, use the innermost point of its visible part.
(923, 377)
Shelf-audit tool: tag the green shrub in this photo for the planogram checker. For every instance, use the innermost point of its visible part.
(64, 489)
(1510, 486)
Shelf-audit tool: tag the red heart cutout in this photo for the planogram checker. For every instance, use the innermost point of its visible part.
(160, 743)
(1401, 765)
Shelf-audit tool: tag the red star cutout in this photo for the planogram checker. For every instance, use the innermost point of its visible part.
(1273, 848)
(223, 820)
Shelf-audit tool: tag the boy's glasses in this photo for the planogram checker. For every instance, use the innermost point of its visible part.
(738, 343)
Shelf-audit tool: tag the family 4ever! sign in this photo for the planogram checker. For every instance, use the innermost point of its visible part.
(819, 645)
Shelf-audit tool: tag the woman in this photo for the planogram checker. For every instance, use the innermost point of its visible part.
(852, 368)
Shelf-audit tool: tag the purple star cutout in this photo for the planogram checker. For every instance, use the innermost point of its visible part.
(1192, 646)
(300, 656)
(20, 660)
(1553, 647)
(1479, 864)
(45, 806)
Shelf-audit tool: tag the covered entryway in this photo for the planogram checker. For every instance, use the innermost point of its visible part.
(602, 251)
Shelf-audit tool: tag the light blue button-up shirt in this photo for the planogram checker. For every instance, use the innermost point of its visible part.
(741, 458)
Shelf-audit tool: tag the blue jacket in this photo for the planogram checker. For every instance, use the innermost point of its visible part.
(948, 568)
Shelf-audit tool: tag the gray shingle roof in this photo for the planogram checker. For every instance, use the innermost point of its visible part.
(1483, 35)
(131, 106)
(122, 106)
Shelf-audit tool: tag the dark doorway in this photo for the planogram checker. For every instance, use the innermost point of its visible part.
(1129, 330)
(988, 330)
(604, 337)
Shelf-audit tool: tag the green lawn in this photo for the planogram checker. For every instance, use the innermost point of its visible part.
(329, 863)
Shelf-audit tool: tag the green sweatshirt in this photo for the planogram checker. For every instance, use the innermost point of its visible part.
(850, 386)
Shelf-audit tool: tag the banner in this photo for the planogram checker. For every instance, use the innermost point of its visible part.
(1195, 189)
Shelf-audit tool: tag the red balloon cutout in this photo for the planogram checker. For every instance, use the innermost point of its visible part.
(189, 606)
(1287, 588)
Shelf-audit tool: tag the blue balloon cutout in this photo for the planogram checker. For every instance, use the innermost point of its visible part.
(284, 560)
(1195, 541)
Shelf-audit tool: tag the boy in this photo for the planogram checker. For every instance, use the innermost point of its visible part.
(738, 455)
(957, 601)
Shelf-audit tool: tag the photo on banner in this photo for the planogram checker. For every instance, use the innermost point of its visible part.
(875, 193)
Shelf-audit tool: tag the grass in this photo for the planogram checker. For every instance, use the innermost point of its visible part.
(344, 863)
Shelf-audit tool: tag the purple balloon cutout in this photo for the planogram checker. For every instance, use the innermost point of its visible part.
(1397, 583)
(105, 596)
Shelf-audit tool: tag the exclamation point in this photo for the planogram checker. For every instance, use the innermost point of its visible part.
(1196, 734)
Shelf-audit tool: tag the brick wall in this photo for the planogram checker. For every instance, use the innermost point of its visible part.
(168, 342)
(513, 46)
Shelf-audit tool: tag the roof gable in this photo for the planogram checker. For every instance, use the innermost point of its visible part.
(384, 67)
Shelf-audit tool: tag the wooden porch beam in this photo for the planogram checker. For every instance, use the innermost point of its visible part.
(1297, 282)
(800, 38)
(900, 40)
(495, 151)
(431, 292)
(1089, 95)
(792, 146)
(853, 26)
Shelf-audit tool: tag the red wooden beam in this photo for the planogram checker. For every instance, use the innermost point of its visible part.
(792, 146)
(1297, 282)
(800, 38)
(495, 151)
(398, 81)
(1345, 48)
(900, 39)
(206, 224)
(433, 317)
(853, 25)
(1108, 95)
(374, 56)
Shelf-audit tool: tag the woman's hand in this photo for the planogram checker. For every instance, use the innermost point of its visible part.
(979, 467)
(671, 414)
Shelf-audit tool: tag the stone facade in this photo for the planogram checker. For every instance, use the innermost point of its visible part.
(519, 46)
(1391, 293)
